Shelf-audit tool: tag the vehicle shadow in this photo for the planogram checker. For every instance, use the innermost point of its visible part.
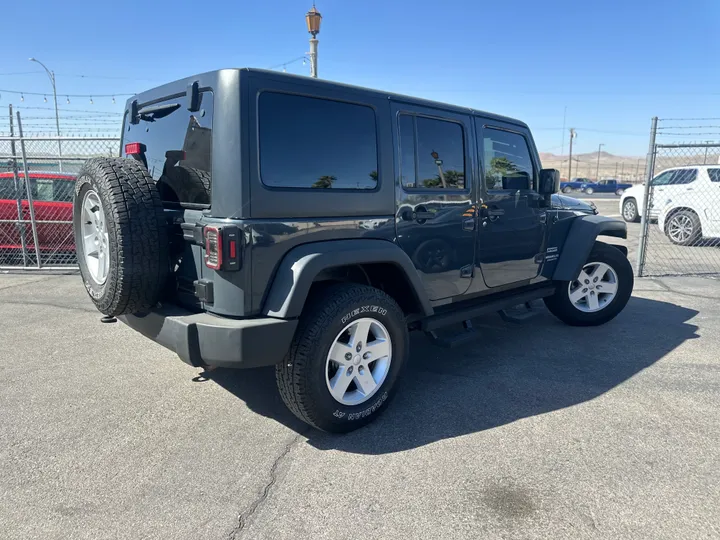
(511, 372)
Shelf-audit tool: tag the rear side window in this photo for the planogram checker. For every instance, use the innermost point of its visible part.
(714, 175)
(42, 189)
(508, 165)
(178, 145)
(432, 153)
(316, 143)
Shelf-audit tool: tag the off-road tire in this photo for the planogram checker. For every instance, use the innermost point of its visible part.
(695, 235)
(137, 236)
(301, 375)
(185, 184)
(634, 216)
(562, 307)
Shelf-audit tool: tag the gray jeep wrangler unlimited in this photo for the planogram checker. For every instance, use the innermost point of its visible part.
(256, 218)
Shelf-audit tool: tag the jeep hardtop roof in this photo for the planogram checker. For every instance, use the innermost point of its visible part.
(214, 78)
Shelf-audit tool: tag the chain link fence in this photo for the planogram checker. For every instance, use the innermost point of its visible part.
(37, 183)
(680, 233)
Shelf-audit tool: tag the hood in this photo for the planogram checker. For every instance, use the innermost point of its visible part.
(562, 202)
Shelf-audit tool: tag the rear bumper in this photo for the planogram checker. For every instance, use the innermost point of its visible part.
(202, 339)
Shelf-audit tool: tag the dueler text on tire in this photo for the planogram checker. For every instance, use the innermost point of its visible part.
(120, 236)
(344, 362)
(599, 293)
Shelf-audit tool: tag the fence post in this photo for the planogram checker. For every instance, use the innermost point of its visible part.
(16, 185)
(28, 188)
(645, 219)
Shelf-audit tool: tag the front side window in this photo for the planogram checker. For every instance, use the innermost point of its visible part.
(432, 153)
(508, 162)
(714, 175)
(316, 143)
(684, 176)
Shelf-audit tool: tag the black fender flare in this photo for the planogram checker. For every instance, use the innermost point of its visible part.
(579, 242)
(301, 265)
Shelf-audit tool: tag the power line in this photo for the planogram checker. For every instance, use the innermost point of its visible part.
(62, 94)
(283, 64)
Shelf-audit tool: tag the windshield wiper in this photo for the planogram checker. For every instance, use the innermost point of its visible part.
(155, 112)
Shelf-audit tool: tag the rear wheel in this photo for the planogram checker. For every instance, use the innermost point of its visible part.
(566, 189)
(630, 210)
(619, 191)
(348, 352)
(683, 228)
(599, 293)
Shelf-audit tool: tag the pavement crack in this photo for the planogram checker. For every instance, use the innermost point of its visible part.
(245, 515)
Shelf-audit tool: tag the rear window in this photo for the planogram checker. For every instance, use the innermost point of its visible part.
(316, 143)
(178, 145)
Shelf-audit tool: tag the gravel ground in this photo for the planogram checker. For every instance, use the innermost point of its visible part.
(534, 431)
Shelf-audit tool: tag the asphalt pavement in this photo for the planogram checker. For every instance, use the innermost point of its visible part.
(536, 430)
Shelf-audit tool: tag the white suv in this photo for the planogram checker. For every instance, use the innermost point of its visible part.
(691, 215)
(666, 186)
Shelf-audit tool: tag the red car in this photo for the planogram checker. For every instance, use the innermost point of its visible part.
(52, 200)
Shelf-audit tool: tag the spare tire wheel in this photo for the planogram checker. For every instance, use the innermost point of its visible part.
(120, 237)
(185, 184)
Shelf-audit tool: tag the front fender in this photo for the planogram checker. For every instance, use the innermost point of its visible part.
(300, 266)
(571, 241)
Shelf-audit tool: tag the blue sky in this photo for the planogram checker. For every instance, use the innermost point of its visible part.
(614, 64)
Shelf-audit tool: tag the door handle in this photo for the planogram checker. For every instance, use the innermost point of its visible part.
(468, 224)
(495, 212)
(543, 217)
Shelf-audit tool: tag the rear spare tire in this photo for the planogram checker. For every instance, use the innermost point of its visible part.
(120, 236)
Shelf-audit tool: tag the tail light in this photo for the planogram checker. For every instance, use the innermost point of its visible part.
(135, 148)
(213, 248)
(222, 249)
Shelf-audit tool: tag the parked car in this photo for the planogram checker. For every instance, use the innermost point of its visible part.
(52, 195)
(691, 214)
(665, 185)
(575, 184)
(331, 305)
(605, 186)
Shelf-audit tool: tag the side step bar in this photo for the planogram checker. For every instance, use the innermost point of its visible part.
(481, 307)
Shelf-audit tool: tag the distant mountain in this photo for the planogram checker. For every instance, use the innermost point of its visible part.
(626, 168)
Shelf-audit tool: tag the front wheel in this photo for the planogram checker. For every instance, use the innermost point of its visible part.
(589, 190)
(599, 293)
(348, 352)
(630, 210)
(566, 189)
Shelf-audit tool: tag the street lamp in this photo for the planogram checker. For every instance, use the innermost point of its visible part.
(312, 19)
(597, 170)
(51, 75)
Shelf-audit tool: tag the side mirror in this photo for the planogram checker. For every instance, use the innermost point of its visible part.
(549, 181)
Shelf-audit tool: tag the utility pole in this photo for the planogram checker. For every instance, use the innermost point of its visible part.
(51, 75)
(597, 170)
(622, 169)
(616, 168)
(572, 136)
(637, 168)
(312, 19)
